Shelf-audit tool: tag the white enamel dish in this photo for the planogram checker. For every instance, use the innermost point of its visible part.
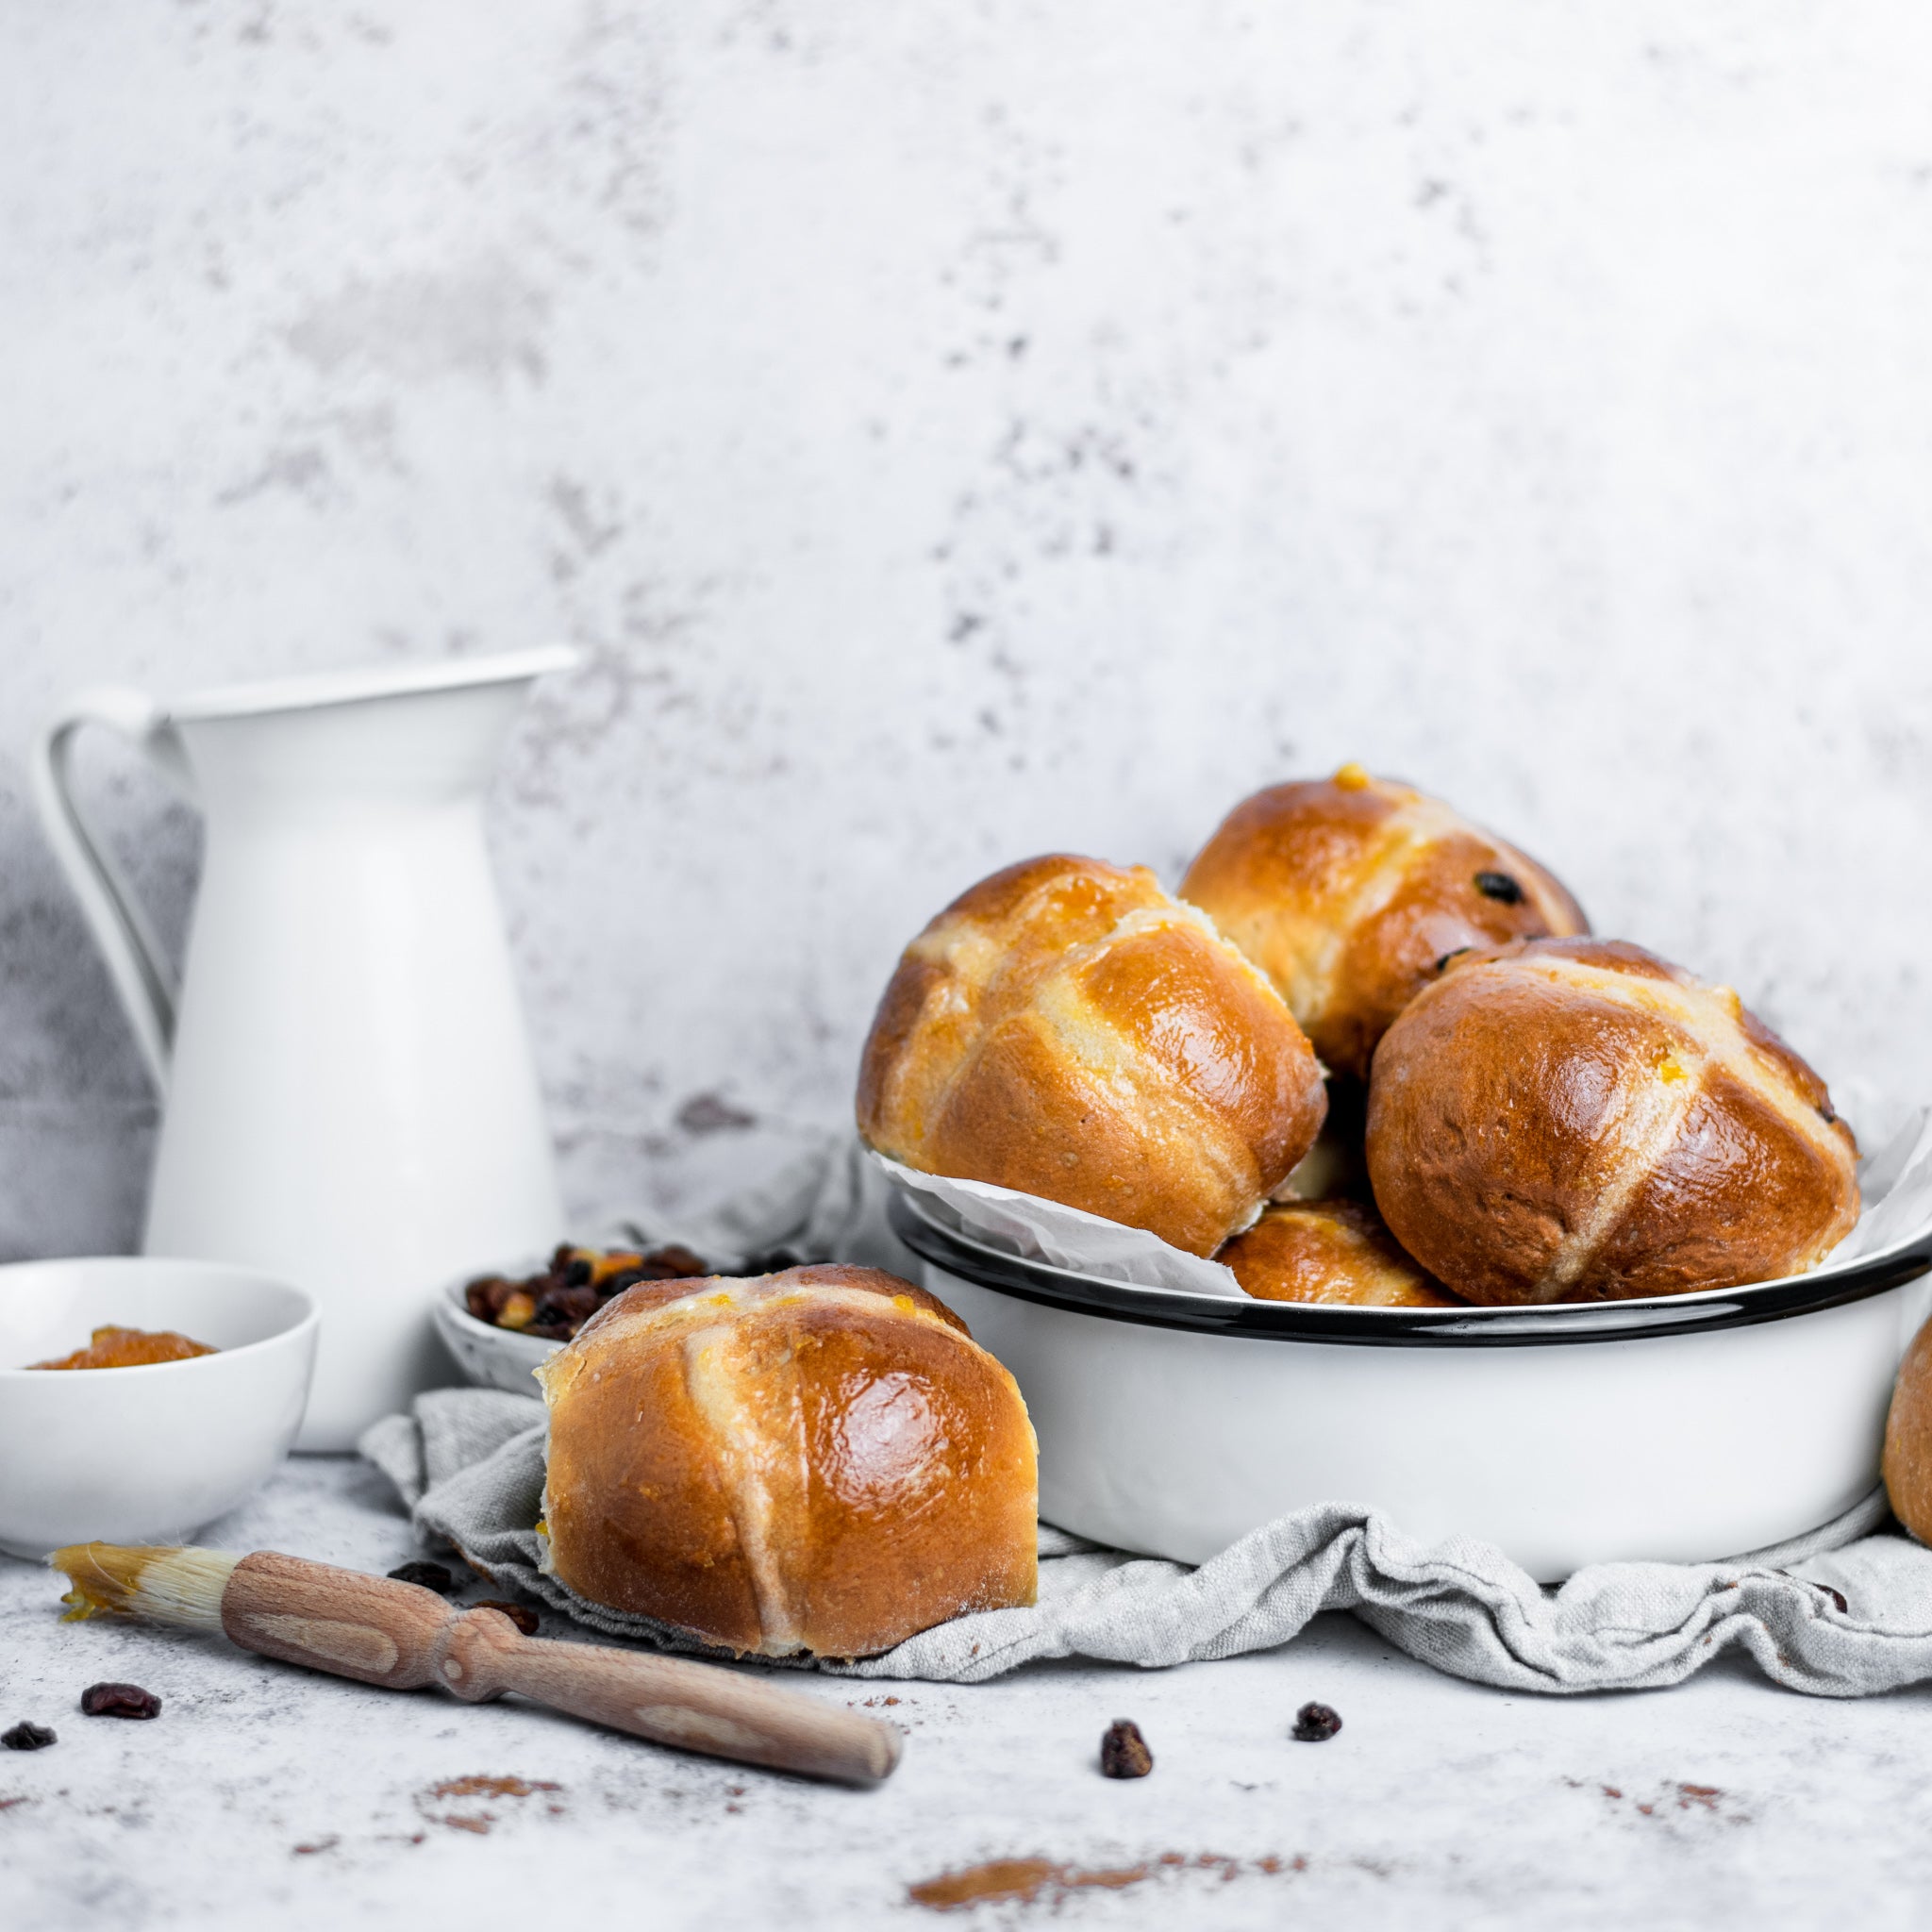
(145, 1455)
(1684, 1429)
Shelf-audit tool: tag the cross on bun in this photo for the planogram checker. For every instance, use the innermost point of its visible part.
(1346, 891)
(1329, 1251)
(820, 1461)
(1068, 1029)
(1575, 1119)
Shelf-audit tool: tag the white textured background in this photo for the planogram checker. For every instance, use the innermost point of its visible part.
(957, 431)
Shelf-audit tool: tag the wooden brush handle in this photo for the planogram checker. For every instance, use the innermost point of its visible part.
(402, 1636)
(669, 1700)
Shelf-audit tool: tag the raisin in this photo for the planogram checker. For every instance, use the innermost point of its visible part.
(561, 1311)
(119, 1700)
(519, 1614)
(1500, 887)
(773, 1261)
(577, 1275)
(25, 1736)
(486, 1295)
(1315, 1724)
(434, 1576)
(675, 1262)
(1124, 1751)
(616, 1284)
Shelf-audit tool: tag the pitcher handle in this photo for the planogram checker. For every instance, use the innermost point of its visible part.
(135, 963)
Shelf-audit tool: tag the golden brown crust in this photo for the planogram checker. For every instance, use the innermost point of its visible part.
(1068, 1029)
(1575, 1119)
(1347, 890)
(1329, 1251)
(1907, 1466)
(819, 1461)
(646, 1295)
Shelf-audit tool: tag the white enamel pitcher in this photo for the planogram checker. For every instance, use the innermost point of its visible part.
(349, 1099)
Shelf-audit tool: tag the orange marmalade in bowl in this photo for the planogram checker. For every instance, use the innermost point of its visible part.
(129, 1348)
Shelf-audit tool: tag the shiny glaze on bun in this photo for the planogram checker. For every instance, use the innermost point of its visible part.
(1576, 1120)
(1347, 890)
(1329, 1251)
(820, 1460)
(1068, 1029)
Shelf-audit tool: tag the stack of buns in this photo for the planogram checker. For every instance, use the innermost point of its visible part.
(1516, 1112)
(1368, 1054)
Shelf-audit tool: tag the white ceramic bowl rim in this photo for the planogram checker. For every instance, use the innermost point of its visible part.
(1466, 1327)
(307, 1314)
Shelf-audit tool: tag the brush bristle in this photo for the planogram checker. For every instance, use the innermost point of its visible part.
(165, 1585)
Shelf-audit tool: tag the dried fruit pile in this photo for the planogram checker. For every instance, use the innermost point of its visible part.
(578, 1281)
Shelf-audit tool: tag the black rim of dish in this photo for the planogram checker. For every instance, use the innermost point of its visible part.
(1528, 1328)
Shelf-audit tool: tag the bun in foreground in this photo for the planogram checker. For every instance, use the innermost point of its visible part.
(820, 1460)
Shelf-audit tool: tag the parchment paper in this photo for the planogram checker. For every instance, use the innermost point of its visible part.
(1895, 1183)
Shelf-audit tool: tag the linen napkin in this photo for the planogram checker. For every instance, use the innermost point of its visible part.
(1840, 1612)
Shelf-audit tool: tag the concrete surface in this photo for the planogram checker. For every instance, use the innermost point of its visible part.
(263, 1794)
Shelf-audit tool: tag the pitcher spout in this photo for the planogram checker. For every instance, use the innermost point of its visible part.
(349, 743)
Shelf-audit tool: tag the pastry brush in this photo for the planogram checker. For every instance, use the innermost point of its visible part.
(400, 1636)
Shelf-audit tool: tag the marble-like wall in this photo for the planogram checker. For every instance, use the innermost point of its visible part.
(953, 432)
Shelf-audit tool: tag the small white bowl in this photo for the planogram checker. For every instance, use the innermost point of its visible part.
(145, 1454)
(490, 1357)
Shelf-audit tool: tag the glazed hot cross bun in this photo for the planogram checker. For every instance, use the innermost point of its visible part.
(1329, 1251)
(1067, 1029)
(819, 1461)
(1575, 1119)
(1347, 890)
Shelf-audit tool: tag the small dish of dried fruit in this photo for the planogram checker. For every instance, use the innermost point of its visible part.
(499, 1327)
(557, 1302)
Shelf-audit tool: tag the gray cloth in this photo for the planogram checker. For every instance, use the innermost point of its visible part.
(1829, 1615)
(1839, 1613)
